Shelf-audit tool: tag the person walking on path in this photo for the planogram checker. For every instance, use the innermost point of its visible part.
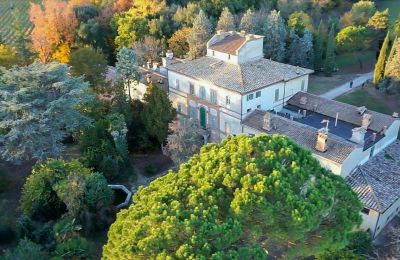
(351, 84)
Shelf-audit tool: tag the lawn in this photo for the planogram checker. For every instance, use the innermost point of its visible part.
(393, 6)
(319, 84)
(361, 97)
(7, 8)
(352, 59)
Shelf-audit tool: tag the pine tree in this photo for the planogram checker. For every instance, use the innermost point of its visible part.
(200, 34)
(226, 21)
(301, 51)
(275, 30)
(247, 23)
(380, 63)
(329, 64)
(318, 48)
(391, 54)
(127, 67)
(24, 55)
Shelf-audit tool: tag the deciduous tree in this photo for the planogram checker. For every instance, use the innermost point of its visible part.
(300, 21)
(379, 21)
(40, 106)
(178, 43)
(239, 199)
(148, 49)
(393, 64)
(127, 67)
(185, 140)
(353, 38)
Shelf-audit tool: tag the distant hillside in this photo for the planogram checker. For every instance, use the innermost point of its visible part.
(6, 18)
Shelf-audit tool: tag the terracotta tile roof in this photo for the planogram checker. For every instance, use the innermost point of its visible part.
(240, 78)
(304, 135)
(230, 44)
(347, 113)
(377, 182)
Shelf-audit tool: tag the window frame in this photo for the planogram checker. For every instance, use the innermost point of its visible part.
(213, 96)
(258, 94)
(250, 96)
(276, 98)
(202, 92)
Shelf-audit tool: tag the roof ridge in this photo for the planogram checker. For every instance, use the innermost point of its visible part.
(363, 174)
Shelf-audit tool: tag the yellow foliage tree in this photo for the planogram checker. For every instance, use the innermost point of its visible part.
(62, 53)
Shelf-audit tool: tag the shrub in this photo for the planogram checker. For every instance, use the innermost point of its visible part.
(6, 230)
(65, 229)
(74, 248)
(26, 250)
(4, 179)
(150, 169)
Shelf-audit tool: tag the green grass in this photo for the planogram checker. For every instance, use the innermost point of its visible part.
(361, 97)
(319, 84)
(7, 8)
(350, 59)
(393, 6)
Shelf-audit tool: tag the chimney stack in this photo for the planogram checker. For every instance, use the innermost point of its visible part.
(366, 120)
(267, 121)
(322, 139)
(395, 115)
(303, 100)
(358, 135)
(304, 113)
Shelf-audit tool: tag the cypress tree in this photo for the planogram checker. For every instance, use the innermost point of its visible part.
(391, 54)
(329, 64)
(198, 37)
(226, 21)
(393, 64)
(380, 63)
(247, 23)
(318, 48)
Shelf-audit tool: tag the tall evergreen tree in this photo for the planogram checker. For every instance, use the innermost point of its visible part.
(275, 30)
(393, 64)
(301, 51)
(329, 64)
(318, 48)
(380, 63)
(226, 21)
(157, 113)
(391, 54)
(127, 67)
(248, 22)
(24, 55)
(199, 35)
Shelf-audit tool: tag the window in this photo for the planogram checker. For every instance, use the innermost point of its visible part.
(365, 211)
(192, 112)
(250, 96)
(259, 106)
(177, 83)
(258, 94)
(202, 92)
(213, 121)
(191, 86)
(248, 110)
(229, 56)
(227, 100)
(213, 96)
(227, 128)
(276, 94)
(179, 107)
(302, 85)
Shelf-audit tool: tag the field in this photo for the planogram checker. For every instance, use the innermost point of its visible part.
(7, 8)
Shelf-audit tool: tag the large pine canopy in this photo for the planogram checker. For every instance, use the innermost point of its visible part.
(244, 198)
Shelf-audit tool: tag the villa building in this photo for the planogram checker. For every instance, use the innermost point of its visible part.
(230, 82)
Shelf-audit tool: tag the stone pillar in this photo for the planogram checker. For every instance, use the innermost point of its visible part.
(267, 121)
(358, 135)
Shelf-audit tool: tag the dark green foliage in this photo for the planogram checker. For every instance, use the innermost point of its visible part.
(4, 179)
(85, 12)
(238, 199)
(329, 64)
(150, 169)
(6, 224)
(65, 229)
(26, 250)
(157, 113)
(99, 147)
(318, 48)
(58, 187)
(90, 63)
(74, 248)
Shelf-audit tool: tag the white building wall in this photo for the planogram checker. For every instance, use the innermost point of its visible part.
(369, 221)
(267, 100)
(387, 216)
(230, 58)
(251, 50)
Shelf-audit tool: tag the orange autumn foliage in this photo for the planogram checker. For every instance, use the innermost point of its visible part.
(54, 24)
